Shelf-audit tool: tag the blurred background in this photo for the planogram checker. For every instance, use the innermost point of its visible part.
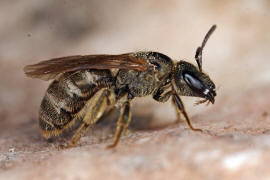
(236, 56)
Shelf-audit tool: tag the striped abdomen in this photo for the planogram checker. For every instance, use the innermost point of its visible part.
(66, 96)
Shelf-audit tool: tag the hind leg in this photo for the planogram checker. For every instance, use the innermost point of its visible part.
(91, 113)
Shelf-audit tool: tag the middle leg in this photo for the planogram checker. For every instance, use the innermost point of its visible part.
(122, 123)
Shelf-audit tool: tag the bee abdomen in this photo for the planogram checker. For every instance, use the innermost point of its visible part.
(52, 117)
(67, 96)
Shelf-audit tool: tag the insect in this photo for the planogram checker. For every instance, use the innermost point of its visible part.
(85, 88)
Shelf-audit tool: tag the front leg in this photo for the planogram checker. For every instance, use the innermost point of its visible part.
(180, 108)
(163, 93)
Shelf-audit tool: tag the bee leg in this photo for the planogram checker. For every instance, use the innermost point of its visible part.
(94, 110)
(180, 108)
(163, 97)
(122, 123)
(163, 93)
(76, 137)
(109, 113)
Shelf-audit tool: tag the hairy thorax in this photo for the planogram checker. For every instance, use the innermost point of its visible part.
(138, 83)
(143, 83)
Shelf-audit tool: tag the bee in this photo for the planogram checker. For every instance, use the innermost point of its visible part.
(84, 88)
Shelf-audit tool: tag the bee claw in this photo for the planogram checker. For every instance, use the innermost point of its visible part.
(201, 102)
(65, 146)
(198, 130)
(110, 146)
(60, 147)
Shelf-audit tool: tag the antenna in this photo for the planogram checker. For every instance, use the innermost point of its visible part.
(198, 54)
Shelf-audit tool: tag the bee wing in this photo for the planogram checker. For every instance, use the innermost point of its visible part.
(49, 69)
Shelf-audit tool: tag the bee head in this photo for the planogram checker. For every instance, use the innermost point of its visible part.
(190, 81)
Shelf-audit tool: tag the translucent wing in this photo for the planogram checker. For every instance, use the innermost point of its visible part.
(49, 69)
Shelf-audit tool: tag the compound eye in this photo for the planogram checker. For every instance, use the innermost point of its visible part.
(194, 83)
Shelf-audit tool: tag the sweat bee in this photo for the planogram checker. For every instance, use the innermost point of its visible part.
(85, 88)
